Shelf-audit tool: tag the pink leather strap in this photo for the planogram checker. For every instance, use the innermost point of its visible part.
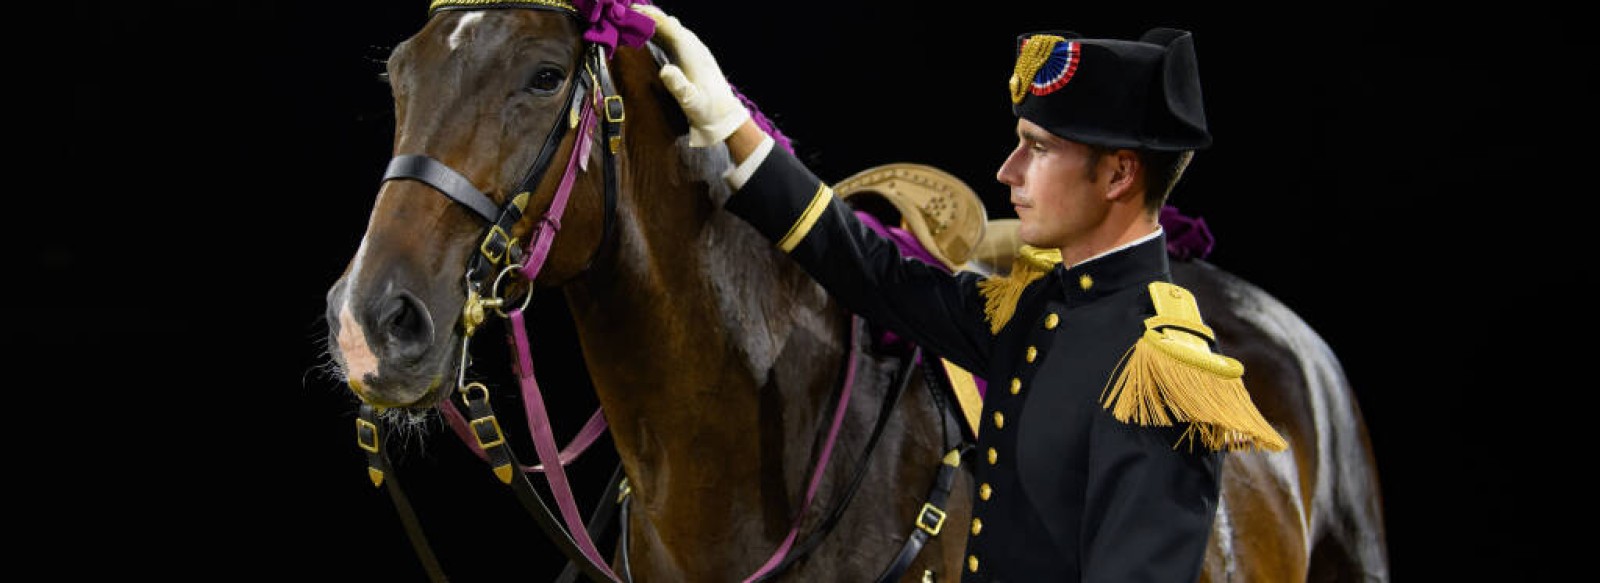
(544, 444)
(550, 223)
(822, 462)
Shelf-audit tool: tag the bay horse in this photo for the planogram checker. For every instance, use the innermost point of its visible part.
(716, 361)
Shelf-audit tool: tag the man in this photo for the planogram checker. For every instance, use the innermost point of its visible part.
(1109, 409)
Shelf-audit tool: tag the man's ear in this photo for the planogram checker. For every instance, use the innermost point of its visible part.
(1125, 173)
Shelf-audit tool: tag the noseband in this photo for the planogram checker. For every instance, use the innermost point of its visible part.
(497, 247)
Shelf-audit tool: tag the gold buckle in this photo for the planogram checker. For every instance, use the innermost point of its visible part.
(499, 436)
(484, 246)
(938, 525)
(370, 429)
(622, 114)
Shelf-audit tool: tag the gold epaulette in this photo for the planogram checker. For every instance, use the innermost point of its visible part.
(1002, 292)
(1170, 374)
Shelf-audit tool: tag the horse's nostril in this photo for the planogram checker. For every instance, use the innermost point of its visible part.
(405, 322)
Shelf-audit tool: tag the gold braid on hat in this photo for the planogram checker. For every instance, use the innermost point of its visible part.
(1033, 54)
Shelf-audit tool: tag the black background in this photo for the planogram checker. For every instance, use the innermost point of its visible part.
(1410, 182)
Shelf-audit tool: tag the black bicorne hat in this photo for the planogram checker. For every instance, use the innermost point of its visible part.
(1112, 93)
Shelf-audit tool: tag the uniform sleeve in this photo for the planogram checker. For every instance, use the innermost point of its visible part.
(793, 208)
(1150, 506)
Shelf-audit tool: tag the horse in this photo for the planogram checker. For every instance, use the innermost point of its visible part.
(723, 372)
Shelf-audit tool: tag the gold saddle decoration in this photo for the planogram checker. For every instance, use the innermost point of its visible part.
(940, 210)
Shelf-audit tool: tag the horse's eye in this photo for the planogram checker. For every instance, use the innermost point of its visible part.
(546, 80)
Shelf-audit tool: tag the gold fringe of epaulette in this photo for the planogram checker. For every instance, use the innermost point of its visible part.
(1160, 385)
(1001, 293)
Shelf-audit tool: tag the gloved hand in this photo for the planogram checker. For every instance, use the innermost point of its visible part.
(696, 81)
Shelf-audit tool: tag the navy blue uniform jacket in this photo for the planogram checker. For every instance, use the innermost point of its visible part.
(1066, 492)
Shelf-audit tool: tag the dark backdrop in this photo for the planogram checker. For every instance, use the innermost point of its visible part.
(1378, 171)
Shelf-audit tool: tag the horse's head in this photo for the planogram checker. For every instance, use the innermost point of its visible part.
(486, 106)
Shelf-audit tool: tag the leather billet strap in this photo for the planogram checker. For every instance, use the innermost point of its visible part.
(612, 114)
(367, 437)
(506, 467)
(485, 428)
(930, 519)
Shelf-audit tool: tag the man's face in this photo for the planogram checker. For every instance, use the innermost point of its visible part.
(1058, 194)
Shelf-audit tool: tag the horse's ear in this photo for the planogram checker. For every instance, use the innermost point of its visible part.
(676, 119)
(671, 110)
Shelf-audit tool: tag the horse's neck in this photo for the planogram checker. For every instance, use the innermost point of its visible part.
(698, 279)
(709, 350)
(717, 291)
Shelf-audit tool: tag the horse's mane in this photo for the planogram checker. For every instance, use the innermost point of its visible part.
(756, 288)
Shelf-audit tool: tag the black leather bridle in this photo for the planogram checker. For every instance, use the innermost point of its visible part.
(498, 251)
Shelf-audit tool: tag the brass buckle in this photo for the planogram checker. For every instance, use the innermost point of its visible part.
(363, 428)
(499, 437)
(494, 231)
(621, 113)
(922, 515)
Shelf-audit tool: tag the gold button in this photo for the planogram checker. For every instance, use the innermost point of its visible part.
(1033, 353)
(977, 526)
(1085, 281)
(1050, 321)
(999, 420)
(984, 492)
(993, 455)
(972, 563)
(1016, 385)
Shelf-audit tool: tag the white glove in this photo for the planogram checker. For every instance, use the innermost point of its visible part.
(696, 82)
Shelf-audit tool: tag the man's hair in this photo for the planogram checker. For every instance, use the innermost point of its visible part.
(1161, 171)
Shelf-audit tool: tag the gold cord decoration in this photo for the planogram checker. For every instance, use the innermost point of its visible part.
(1001, 293)
(1031, 56)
